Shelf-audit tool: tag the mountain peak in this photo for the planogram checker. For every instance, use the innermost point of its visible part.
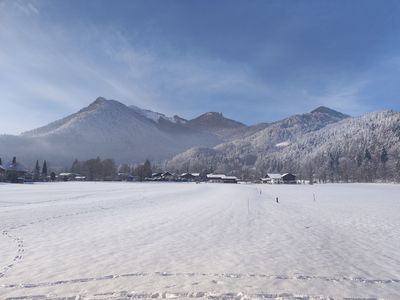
(216, 123)
(329, 111)
(211, 115)
(216, 118)
(100, 100)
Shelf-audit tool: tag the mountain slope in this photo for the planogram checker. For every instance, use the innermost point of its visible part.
(365, 148)
(245, 151)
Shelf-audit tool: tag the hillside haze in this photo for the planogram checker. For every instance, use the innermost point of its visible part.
(108, 128)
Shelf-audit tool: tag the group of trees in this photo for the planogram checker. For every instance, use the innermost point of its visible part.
(364, 166)
(97, 169)
(40, 174)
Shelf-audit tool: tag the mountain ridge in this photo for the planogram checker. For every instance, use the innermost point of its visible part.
(111, 129)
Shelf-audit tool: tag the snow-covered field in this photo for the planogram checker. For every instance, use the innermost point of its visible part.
(217, 241)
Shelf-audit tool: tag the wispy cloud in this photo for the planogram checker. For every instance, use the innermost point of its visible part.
(50, 68)
(44, 66)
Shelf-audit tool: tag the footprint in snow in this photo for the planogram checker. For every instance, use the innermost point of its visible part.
(216, 281)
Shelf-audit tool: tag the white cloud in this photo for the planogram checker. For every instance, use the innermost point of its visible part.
(49, 70)
(46, 67)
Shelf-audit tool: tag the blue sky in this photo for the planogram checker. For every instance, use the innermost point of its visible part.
(252, 60)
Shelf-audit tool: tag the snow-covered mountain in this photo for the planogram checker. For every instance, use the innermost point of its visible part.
(107, 128)
(324, 142)
(216, 123)
(157, 117)
(110, 129)
(245, 149)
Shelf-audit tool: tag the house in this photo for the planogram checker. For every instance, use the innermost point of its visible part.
(190, 176)
(275, 178)
(68, 176)
(2, 172)
(272, 178)
(214, 177)
(221, 178)
(167, 176)
(16, 172)
(229, 179)
(289, 178)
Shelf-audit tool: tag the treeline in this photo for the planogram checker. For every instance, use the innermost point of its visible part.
(364, 164)
(353, 163)
(98, 169)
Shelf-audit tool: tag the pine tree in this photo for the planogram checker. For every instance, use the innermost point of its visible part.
(367, 155)
(367, 166)
(147, 169)
(14, 161)
(1, 161)
(44, 170)
(36, 175)
(75, 167)
(384, 156)
(383, 159)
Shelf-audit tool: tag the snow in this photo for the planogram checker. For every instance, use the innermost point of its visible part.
(152, 115)
(283, 144)
(89, 240)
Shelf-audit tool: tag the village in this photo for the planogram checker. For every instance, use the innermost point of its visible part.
(15, 172)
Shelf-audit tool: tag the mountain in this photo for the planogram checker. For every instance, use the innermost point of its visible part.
(323, 143)
(158, 117)
(216, 123)
(247, 149)
(107, 128)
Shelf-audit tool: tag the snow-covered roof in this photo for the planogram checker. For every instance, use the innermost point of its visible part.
(287, 174)
(221, 176)
(215, 176)
(230, 177)
(274, 175)
(191, 174)
(68, 174)
(2, 168)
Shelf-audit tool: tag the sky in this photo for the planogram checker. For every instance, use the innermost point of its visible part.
(255, 61)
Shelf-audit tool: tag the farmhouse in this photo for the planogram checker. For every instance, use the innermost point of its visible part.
(69, 177)
(16, 172)
(168, 176)
(221, 178)
(190, 176)
(2, 171)
(275, 178)
(289, 178)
